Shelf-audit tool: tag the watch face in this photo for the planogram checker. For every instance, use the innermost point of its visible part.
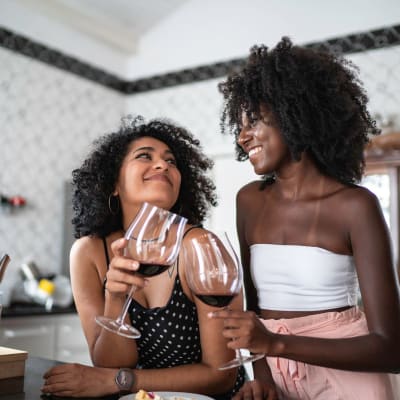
(124, 379)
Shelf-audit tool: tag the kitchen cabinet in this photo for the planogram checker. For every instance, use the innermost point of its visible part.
(382, 176)
(58, 337)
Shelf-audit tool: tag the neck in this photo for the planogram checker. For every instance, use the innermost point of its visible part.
(129, 213)
(298, 179)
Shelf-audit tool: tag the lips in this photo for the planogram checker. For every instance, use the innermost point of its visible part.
(255, 150)
(159, 178)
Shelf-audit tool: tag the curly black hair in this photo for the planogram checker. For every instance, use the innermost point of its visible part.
(95, 180)
(316, 98)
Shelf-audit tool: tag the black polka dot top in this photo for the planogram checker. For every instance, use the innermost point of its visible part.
(170, 335)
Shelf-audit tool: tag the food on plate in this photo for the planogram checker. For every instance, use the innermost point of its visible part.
(143, 395)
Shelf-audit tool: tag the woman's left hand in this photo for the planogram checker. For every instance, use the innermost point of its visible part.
(76, 380)
(257, 390)
(245, 330)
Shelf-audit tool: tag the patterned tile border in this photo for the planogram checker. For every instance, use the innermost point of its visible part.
(354, 43)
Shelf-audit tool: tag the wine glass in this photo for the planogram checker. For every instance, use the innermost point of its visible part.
(215, 277)
(154, 239)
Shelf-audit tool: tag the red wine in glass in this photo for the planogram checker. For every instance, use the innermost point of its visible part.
(151, 269)
(154, 240)
(215, 277)
(215, 300)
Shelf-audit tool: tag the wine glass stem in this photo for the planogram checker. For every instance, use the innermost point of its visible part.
(239, 355)
(121, 318)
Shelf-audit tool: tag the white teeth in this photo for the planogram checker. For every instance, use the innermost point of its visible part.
(254, 151)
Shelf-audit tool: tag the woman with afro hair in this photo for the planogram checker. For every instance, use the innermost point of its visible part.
(311, 239)
(179, 350)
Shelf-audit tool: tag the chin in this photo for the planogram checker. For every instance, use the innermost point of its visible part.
(264, 168)
(262, 171)
(162, 203)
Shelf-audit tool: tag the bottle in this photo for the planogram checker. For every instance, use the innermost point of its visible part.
(44, 293)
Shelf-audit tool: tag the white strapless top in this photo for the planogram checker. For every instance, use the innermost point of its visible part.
(302, 278)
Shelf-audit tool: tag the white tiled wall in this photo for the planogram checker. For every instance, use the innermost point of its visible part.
(48, 117)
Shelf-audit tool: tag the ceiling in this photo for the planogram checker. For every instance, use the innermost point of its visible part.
(136, 39)
(116, 23)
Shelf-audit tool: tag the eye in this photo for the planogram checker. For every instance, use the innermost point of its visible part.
(253, 122)
(269, 121)
(144, 155)
(171, 161)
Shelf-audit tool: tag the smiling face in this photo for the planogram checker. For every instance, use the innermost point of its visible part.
(148, 173)
(262, 140)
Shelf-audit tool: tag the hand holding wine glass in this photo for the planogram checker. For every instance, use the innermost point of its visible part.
(215, 277)
(154, 239)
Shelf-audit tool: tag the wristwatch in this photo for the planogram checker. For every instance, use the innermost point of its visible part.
(124, 380)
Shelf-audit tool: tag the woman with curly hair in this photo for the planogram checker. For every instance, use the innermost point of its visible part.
(310, 237)
(160, 163)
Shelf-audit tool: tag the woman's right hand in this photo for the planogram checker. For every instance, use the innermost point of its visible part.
(257, 390)
(120, 275)
(77, 380)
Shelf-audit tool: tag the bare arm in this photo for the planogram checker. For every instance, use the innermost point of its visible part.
(90, 300)
(203, 377)
(378, 350)
(261, 370)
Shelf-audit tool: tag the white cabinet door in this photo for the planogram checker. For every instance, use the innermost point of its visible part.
(71, 345)
(229, 176)
(36, 335)
(56, 337)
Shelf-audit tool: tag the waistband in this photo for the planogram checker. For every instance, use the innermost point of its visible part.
(318, 323)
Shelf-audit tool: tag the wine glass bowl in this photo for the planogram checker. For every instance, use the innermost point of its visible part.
(215, 276)
(155, 242)
(154, 239)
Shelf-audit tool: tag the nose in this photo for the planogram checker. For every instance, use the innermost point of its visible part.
(161, 164)
(244, 137)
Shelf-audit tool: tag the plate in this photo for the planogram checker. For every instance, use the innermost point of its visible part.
(171, 395)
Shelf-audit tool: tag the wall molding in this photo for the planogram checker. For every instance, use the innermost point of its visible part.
(353, 43)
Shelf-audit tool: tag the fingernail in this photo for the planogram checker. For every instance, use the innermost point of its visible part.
(135, 265)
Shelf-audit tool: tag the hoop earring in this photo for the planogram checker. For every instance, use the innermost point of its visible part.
(116, 209)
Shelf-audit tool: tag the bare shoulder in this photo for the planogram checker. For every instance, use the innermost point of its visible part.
(359, 195)
(85, 245)
(86, 253)
(358, 200)
(194, 232)
(248, 192)
(198, 233)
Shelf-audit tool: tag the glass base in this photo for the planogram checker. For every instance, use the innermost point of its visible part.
(114, 326)
(240, 360)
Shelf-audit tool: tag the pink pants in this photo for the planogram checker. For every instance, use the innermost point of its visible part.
(300, 381)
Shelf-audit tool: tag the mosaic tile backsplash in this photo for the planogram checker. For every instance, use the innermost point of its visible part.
(49, 118)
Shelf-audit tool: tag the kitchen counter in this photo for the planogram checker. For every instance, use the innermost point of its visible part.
(56, 334)
(35, 367)
(26, 309)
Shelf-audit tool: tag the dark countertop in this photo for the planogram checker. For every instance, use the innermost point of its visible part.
(31, 310)
(35, 367)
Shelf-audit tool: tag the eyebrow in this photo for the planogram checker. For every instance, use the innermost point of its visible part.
(149, 148)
